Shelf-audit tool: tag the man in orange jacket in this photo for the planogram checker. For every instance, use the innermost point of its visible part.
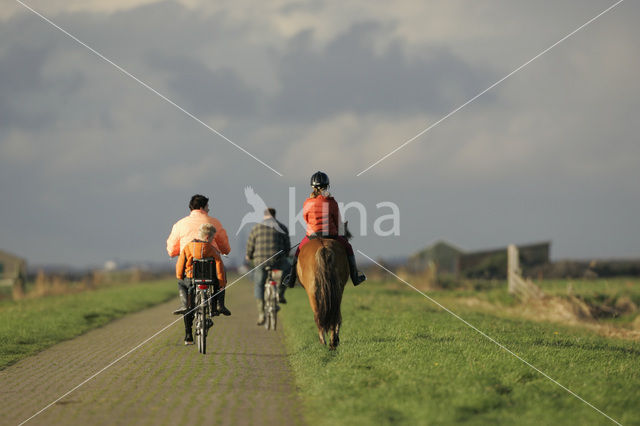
(199, 248)
(186, 230)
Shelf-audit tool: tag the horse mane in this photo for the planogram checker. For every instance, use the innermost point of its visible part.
(328, 291)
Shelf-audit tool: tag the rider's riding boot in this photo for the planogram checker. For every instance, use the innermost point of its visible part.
(356, 276)
(220, 304)
(260, 305)
(281, 299)
(185, 302)
(290, 280)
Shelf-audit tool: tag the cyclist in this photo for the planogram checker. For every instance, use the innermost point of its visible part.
(322, 215)
(199, 248)
(268, 242)
(187, 228)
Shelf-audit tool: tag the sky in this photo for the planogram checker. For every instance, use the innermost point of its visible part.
(94, 166)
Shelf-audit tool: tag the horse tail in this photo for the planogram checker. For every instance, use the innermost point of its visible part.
(328, 295)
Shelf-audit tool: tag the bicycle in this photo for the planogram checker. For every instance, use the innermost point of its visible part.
(204, 280)
(271, 306)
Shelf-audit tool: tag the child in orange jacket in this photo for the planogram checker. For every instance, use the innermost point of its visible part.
(199, 248)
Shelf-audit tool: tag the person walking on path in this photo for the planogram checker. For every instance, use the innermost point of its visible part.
(186, 230)
(269, 243)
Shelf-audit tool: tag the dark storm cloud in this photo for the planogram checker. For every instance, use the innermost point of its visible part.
(346, 75)
(20, 68)
(203, 90)
(78, 135)
(23, 85)
(349, 75)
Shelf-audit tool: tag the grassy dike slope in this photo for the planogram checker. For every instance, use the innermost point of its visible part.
(31, 325)
(403, 360)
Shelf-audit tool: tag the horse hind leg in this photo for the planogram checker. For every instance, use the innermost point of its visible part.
(321, 336)
(320, 330)
(335, 337)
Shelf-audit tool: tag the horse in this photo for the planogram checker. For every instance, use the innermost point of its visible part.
(323, 271)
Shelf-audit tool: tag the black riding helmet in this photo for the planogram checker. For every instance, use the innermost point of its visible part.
(320, 180)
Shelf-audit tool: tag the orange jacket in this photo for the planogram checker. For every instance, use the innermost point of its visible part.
(199, 250)
(322, 215)
(186, 230)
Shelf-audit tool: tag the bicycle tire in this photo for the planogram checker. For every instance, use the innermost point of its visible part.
(202, 333)
(201, 319)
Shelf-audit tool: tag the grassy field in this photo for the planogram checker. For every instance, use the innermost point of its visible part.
(31, 325)
(612, 301)
(404, 360)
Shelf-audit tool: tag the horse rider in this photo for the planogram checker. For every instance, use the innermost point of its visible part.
(186, 230)
(322, 215)
(269, 243)
(199, 248)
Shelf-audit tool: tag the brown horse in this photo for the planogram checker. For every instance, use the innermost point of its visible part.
(323, 270)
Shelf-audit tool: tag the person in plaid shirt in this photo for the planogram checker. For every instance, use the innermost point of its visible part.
(265, 240)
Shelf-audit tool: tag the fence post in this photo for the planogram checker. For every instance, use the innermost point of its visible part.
(513, 268)
(524, 289)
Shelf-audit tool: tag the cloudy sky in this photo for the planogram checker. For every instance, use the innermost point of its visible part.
(94, 166)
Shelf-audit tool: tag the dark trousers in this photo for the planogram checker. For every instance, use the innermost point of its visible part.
(187, 286)
(260, 276)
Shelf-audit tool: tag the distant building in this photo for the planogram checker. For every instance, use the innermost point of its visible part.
(13, 271)
(493, 263)
(444, 255)
(480, 264)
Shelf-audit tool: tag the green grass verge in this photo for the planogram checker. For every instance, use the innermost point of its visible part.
(402, 360)
(31, 325)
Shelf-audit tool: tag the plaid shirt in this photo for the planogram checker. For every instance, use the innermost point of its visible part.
(265, 240)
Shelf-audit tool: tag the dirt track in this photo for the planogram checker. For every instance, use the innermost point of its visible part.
(245, 379)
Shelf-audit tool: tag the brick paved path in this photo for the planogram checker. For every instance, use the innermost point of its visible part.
(244, 379)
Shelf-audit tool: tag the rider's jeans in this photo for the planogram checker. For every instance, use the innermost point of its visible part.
(260, 276)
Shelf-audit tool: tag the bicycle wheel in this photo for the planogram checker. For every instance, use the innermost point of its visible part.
(274, 319)
(202, 332)
(201, 318)
(267, 320)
